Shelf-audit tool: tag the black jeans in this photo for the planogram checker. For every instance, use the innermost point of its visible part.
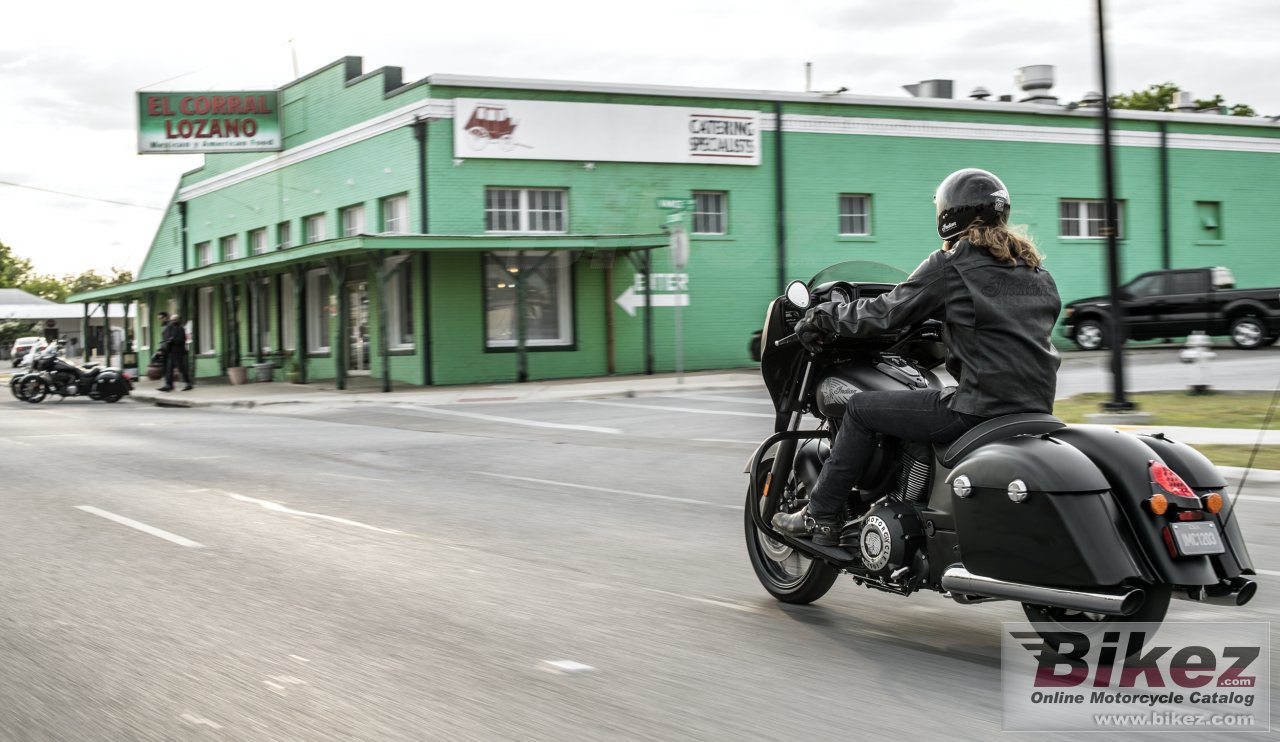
(909, 415)
(176, 362)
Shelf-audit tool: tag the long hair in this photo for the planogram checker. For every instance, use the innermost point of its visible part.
(1005, 243)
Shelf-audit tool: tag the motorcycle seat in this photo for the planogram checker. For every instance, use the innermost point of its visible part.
(997, 428)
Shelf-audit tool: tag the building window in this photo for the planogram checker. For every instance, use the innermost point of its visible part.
(400, 307)
(284, 235)
(144, 326)
(258, 241)
(231, 247)
(855, 214)
(288, 317)
(1209, 218)
(263, 313)
(1081, 218)
(395, 215)
(313, 228)
(206, 325)
(318, 310)
(353, 220)
(709, 215)
(524, 209)
(204, 253)
(548, 303)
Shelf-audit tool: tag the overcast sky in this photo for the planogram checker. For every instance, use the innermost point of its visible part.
(68, 72)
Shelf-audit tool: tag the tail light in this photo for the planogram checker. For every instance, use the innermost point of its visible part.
(1169, 481)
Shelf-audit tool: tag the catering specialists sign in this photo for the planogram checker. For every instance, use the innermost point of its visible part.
(187, 123)
(604, 132)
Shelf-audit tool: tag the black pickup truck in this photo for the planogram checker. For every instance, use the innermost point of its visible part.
(1176, 303)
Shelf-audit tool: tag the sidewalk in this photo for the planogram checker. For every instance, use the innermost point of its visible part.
(220, 394)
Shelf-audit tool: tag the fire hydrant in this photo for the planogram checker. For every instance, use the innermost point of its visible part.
(1198, 353)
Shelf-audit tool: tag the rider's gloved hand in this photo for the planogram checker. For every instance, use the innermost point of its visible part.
(818, 327)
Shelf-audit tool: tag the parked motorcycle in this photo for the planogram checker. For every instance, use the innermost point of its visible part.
(1083, 525)
(53, 374)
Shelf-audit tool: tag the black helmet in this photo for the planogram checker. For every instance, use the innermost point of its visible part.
(967, 195)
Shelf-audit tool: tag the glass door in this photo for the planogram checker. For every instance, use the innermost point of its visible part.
(358, 327)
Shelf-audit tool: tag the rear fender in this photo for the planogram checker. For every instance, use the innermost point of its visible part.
(1124, 460)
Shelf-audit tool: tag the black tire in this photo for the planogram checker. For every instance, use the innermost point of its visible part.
(1090, 335)
(787, 580)
(1271, 340)
(34, 389)
(111, 398)
(15, 386)
(1249, 333)
(1152, 610)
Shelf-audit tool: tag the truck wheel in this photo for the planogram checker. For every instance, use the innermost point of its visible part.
(1090, 335)
(1248, 333)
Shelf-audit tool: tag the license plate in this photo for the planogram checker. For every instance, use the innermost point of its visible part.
(1197, 539)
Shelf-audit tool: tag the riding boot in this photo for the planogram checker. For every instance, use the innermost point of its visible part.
(825, 529)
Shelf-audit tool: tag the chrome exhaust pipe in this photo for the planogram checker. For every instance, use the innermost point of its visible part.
(1235, 592)
(963, 584)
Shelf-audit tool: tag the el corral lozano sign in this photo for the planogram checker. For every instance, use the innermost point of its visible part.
(187, 123)
(604, 132)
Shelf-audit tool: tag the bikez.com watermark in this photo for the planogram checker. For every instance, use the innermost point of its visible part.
(1175, 676)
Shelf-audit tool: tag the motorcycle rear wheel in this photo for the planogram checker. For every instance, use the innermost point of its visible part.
(1152, 611)
(785, 573)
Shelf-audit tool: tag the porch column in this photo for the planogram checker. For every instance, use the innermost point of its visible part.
(337, 281)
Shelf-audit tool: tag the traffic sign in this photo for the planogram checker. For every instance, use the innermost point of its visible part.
(675, 204)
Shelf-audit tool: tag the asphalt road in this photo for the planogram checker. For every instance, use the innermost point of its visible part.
(570, 571)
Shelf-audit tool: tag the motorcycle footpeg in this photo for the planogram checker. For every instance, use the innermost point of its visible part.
(833, 554)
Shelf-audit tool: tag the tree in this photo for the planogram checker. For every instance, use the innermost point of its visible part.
(13, 269)
(1163, 96)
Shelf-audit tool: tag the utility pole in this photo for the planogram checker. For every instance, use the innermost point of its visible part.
(1118, 402)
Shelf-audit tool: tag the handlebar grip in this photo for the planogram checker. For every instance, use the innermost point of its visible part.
(788, 340)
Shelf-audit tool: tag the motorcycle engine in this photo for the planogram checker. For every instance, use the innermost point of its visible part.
(890, 536)
(913, 472)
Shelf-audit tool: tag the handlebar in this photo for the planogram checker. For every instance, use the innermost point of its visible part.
(791, 339)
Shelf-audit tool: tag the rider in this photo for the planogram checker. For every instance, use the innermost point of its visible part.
(998, 306)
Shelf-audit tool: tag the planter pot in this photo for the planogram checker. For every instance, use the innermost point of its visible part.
(237, 375)
(155, 372)
(293, 377)
(262, 372)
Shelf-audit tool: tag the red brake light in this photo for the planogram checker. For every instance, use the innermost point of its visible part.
(1169, 481)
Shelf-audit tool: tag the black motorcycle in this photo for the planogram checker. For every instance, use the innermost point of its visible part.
(1082, 525)
(52, 374)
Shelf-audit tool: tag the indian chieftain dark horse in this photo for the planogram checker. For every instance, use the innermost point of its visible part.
(1083, 525)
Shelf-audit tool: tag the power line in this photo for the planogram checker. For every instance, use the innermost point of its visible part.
(77, 195)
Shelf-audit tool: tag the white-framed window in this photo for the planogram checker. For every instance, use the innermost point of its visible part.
(548, 303)
(231, 247)
(400, 306)
(284, 235)
(710, 212)
(395, 215)
(288, 316)
(205, 329)
(319, 309)
(144, 326)
(1087, 218)
(353, 220)
(204, 253)
(313, 228)
(525, 210)
(258, 241)
(855, 214)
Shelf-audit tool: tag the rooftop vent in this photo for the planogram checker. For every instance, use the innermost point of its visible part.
(930, 89)
(1091, 99)
(980, 93)
(1186, 104)
(1035, 81)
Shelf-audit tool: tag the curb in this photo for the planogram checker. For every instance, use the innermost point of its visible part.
(1270, 476)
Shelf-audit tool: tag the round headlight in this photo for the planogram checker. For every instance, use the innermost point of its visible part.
(1018, 490)
(962, 486)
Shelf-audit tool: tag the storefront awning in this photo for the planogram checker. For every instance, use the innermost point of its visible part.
(390, 243)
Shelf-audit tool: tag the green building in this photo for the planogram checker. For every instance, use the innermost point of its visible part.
(465, 229)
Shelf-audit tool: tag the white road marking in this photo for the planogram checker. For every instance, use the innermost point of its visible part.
(17, 442)
(664, 408)
(1269, 572)
(300, 659)
(52, 435)
(745, 608)
(278, 508)
(350, 476)
(199, 721)
(174, 538)
(288, 680)
(605, 489)
(273, 686)
(1256, 498)
(513, 420)
(715, 398)
(569, 665)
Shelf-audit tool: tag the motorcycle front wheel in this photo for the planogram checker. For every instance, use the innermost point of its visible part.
(788, 575)
(33, 389)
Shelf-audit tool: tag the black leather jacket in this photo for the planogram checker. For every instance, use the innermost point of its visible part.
(997, 319)
(173, 339)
